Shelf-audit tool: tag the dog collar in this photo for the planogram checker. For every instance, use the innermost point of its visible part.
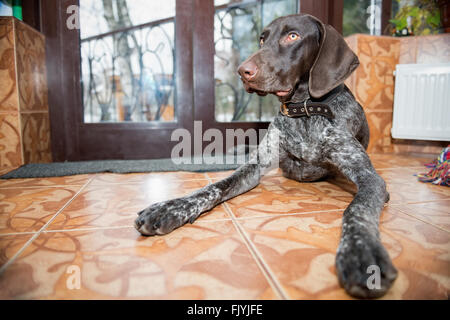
(307, 109)
(310, 108)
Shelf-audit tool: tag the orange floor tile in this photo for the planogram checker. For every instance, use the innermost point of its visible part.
(277, 241)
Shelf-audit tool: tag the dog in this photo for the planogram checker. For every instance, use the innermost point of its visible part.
(320, 130)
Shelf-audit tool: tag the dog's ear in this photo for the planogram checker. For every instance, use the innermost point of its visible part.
(334, 62)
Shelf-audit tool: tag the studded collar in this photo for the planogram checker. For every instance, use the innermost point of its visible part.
(310, 108)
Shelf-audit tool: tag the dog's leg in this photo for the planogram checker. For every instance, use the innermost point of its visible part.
(361, 255)
(163, 217)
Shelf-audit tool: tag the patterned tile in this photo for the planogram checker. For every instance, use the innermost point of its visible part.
(380, 125)
(140, 178)
(219, 174)
(99, 206)
(386, 161)
(29, 209)
(5, 170)
(373, 85)
(436, 212)
(8, 97)
(23, 91)
(433, 49)
(36, 137)
(421, 253)
(404, 187)
(22, 62)
(200, 261)
(278, 195)
(408, 50)
(401, 182)
(10, 151)
(295, 228)
(10, 246)
(31, 68)
(300, 250)
(373, 82)
(223, 174)
(415, 146)
(78, 180)
(352, 42)
(374, 77)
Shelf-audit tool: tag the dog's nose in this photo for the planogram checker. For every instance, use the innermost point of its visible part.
(248, 70)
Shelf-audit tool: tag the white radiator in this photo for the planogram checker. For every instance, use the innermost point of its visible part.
(422, 102)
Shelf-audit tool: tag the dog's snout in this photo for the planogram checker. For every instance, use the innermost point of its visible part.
(248, 70)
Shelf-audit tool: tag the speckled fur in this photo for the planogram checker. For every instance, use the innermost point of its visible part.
(310, 148)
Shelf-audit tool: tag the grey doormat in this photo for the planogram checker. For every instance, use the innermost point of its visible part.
(58, 169)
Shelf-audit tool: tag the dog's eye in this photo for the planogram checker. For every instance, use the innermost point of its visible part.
(292, 37)
(261, 42)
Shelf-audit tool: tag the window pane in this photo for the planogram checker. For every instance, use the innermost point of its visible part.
(415, 17)
(127, 56)
(362, 16)
(237, 26)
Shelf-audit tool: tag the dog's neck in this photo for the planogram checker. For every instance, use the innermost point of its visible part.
(306, 99)
(300, 92)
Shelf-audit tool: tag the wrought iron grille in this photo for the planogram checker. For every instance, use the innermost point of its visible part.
(129, 74)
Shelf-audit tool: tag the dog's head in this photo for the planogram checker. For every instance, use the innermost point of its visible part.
(298, 49)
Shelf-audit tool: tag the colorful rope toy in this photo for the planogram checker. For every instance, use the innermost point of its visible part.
(440, 170)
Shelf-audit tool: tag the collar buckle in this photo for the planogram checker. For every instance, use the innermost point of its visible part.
(306, 108)
(284, 110)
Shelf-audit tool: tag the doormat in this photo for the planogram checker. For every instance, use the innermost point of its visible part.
(59, 169)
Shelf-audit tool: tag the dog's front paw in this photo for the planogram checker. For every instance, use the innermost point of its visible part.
(363, 266)
(163, 217)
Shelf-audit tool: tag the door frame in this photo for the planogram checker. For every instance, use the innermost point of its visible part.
(195, 96)
(72, 138)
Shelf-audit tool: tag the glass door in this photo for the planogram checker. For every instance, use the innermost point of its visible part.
(128, 57)
(121, 82)
(137, 70)
(237, 27)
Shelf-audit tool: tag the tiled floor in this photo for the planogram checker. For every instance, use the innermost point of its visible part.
(277, 241)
